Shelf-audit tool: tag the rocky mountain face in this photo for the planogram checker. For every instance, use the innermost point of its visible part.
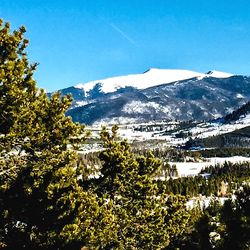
(203, 97)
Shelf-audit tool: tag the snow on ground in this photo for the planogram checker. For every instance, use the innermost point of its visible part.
(194, 168)
(127, 127)
(217, 129)
(204, 201)
(127, 130)
(138, 107)
(239, 96)
(114, 121)
(135, 135)
(131, 135)
(233, 159)
(189, 168)
(82, 103)
(151, 77)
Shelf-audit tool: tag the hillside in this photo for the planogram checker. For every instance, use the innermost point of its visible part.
(238, 113)
(239, 138)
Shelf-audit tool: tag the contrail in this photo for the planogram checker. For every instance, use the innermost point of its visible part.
(117, 29)
(122, 33)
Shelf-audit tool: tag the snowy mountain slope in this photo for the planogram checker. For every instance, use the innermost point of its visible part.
(149, 78)
(201, 97)
(238, 114)
(239, 137)
(192, 99)
(215, 128)
(233, 130)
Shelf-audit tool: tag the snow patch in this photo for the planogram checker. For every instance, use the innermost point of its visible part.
(137, 107)
(81, 103)
(239, 96)
(114, 121)
(194, 168)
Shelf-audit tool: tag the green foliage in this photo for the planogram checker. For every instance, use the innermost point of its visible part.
(224, 152)
(146, 218)
(224, 226)
(235, 216)
(232, 174)
(48, 198)
(41, 201)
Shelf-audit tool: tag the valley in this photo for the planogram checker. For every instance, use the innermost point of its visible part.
(142, 127)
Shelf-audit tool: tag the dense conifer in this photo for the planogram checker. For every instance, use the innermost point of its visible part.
(47, 200)
(41, 202)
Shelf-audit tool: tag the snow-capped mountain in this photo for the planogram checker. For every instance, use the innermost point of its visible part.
(149, 78)
(159, 94)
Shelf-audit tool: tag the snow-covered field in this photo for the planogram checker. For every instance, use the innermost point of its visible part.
(194, 168)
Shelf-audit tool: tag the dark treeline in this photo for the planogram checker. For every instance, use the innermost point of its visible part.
(235, 115)
(181, 155)
(165, 154)
(229, 176)
(237, 139)
(219, 181)
(219, 226)
(224, 152)
(170, 154)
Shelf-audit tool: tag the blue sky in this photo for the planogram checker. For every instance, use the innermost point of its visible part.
(76, 41)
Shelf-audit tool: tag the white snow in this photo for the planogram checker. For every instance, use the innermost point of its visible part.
(204, 202)
(214, 129)
(189, 168)
(233, 159)
(194, 168)
(239, 96)
(219, 74)
(114, 120)
(147, 79)
(82, 103)
(201, 130)
(138, 107)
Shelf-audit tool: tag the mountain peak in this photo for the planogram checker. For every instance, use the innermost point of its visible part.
(218, 74)
(151, 77)
(150, 70)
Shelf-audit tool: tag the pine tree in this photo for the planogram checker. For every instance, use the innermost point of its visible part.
(44, 201)
(41, 201)
(235, 215)
(145, 217)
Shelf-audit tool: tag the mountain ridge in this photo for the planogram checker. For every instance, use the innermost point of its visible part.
(149, 78)
(202, 97)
